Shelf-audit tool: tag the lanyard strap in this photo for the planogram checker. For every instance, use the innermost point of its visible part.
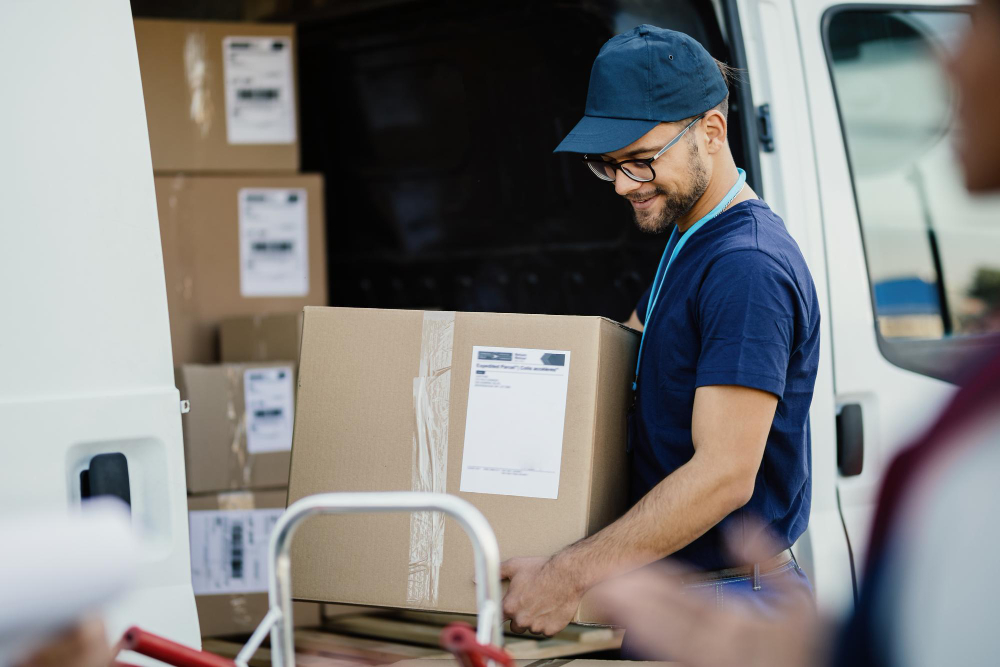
(661, 270)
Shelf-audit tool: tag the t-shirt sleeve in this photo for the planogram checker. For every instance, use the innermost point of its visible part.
(640, 308)
(747, 305)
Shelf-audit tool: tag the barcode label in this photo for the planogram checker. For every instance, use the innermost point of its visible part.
(260, 90)
(236, 551)
(273, 247)
(269, 394)
(229, 550)
(274, 242)
(265, 94)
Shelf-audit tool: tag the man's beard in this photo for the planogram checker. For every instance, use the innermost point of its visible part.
(674, 204)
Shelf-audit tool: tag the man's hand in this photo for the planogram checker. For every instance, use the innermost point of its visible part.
(542, 597)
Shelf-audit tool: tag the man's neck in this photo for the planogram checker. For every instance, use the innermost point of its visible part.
(722, 181)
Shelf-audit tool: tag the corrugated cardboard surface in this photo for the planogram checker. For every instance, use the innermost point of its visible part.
(239, 614)
(215, 441)
(199, 229)
(270, 337)
(184, 88)
(354, 432)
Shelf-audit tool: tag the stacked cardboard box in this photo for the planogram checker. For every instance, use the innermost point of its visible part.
(261, 337)
(238, 433)
(524, 416)
(237, 444)
(242, 232)
(229, 557)
(220, 97)
(238, 245)
(242, 235)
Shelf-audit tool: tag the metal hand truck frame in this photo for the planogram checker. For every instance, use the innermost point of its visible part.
(469, 649)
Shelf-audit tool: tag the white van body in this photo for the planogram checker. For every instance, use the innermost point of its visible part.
(807, 180)
(87, 366)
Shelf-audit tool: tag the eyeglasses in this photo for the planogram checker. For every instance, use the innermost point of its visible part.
(641, 170)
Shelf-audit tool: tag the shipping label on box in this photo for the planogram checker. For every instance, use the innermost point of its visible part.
(260, 92)
(274, 242)
(514, 424)
(229, 550)
(268, 396)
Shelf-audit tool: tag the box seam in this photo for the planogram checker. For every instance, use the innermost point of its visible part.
(593, 445)
(593, 432)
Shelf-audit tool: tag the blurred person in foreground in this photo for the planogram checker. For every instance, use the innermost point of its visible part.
(50, 601)
(929, 594)
(83, 645)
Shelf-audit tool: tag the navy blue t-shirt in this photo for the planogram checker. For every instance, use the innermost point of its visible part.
(738, 307)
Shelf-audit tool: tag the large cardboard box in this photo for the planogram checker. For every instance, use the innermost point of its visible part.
(238, 245)
(238, 433)
(229, 536)
(267, 337)
(524, 416)
(220, 97)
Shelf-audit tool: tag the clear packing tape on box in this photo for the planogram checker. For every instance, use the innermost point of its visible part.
(239, 461)
(431, 389)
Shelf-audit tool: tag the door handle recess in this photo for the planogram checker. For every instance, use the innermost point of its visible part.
(850, 440)
(106, 476)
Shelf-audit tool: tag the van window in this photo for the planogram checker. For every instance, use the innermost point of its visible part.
(932, 249)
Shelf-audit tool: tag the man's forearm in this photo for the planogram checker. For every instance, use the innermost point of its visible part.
(678, 510)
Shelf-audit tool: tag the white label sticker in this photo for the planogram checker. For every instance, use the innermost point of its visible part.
(229, 550)
(270, 413)
(274, 242)
(260, 90)
(515, 419)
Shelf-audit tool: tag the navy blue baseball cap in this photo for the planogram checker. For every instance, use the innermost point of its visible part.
(641, 78)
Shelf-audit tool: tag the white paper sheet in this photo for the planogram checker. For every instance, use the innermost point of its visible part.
(268, 394)
(260, 90)
(515, 419)
(229, 550)
(274, 242)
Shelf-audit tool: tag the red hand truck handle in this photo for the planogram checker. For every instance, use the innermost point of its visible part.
(170, 652)
(460, 640)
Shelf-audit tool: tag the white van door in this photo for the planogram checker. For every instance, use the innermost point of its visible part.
(762, 42)
(912, 257)
(911, 261)
(87, 396)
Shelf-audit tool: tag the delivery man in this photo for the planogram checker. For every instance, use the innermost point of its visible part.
(720, 429)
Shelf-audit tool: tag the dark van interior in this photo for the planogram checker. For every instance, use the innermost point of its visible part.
(433, 123)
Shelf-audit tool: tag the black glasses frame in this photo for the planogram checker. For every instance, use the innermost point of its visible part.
(597, 165)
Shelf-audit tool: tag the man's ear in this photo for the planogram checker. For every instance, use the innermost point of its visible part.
(716, 131)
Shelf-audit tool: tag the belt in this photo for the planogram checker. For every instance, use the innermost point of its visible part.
(754, 571)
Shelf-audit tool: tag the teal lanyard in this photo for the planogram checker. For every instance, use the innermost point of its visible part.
(661, 270)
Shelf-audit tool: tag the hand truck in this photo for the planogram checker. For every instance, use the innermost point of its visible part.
(472, 649)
